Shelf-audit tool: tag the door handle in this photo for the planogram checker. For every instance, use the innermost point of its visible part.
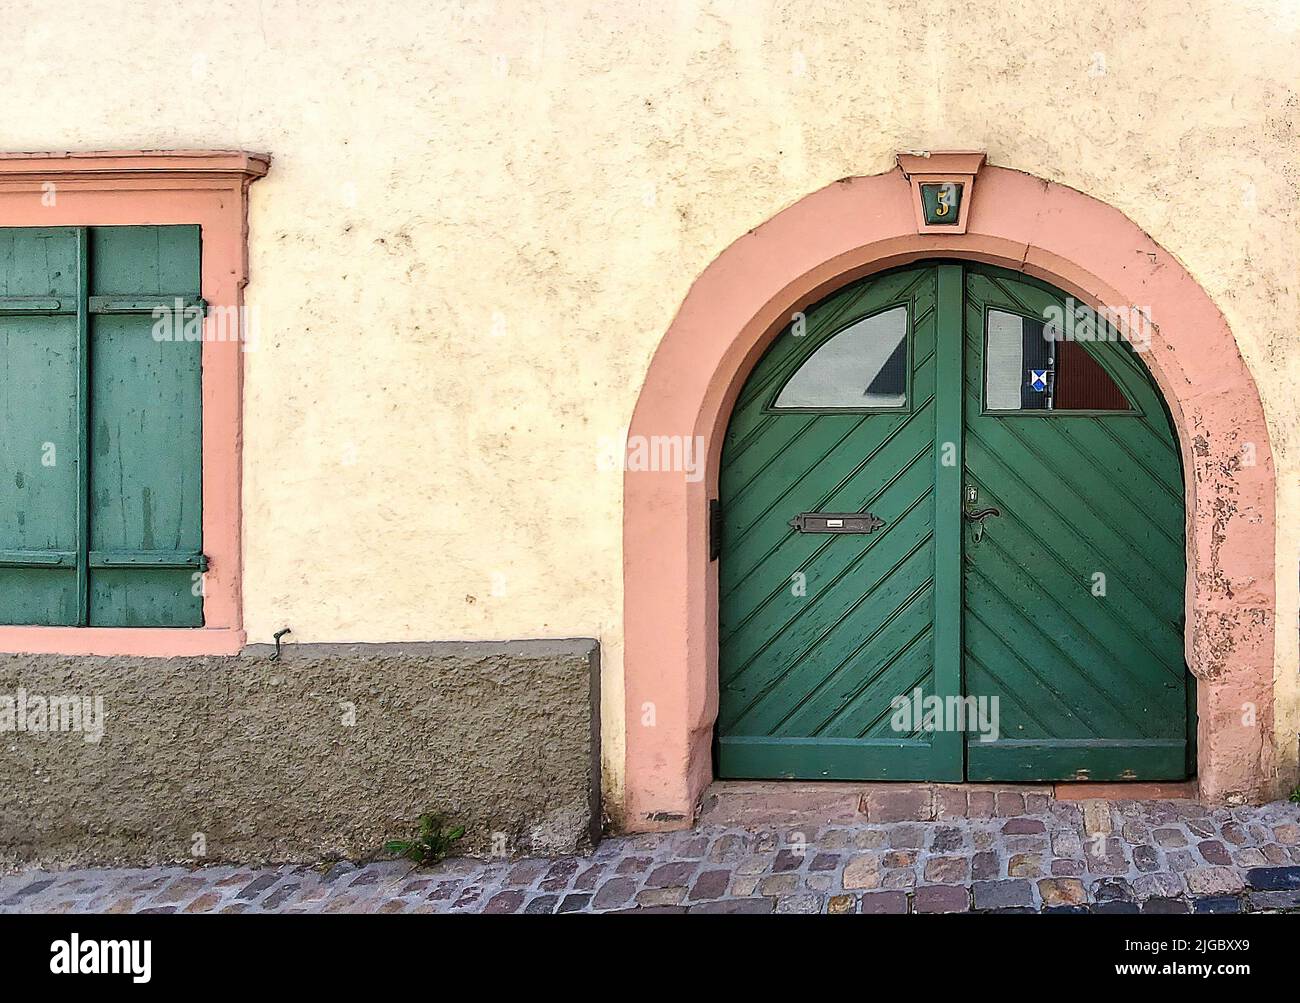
(978, 517)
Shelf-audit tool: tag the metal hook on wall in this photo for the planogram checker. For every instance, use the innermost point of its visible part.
(279, 634)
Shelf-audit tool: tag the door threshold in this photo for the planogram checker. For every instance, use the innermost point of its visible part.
(803, 802)
(1128, 790)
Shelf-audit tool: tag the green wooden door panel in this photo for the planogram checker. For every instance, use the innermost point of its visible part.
(950, 435)
(146, 431)
(1061, 760)
(755, 556)
(1089, 674)
(885, 585)
(38, 427)
(771, 620)
(820, 634)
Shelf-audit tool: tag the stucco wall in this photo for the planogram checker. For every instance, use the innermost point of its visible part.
(325, 753)
(482, 217)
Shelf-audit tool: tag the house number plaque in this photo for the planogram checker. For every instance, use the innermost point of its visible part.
(943, 187)
(941, 203)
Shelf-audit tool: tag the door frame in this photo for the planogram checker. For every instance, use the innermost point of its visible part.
(861, 226)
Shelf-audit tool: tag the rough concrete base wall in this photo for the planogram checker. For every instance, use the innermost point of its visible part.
(322, 754)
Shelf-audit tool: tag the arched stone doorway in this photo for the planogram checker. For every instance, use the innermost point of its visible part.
(862, 226)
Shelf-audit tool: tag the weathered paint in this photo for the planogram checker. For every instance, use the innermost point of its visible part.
(40, 390)
(1091, 681)
(477, 292)
(129, 474)
(805, 669)
(145, 429)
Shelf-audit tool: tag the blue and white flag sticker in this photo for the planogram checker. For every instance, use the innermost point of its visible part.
(1038, 380)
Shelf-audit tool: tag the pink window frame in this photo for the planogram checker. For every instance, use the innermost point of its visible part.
(208, 188)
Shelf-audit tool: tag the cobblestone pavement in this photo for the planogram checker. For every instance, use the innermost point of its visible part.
(885, 849)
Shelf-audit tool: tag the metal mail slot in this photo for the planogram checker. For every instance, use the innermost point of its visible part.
(836, 522)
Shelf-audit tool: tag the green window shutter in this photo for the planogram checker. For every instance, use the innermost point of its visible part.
(101, 444)
(39, 426)
(146, 489)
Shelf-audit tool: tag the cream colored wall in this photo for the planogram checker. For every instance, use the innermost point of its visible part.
(481, 217)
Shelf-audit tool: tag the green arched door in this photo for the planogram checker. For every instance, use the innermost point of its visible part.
(952, 544)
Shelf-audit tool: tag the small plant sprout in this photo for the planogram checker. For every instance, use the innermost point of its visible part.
(432, 844)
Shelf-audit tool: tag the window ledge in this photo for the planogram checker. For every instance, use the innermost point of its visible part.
(159, 642)
(118, 165)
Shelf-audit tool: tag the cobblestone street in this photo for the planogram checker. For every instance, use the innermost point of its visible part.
(806, 849)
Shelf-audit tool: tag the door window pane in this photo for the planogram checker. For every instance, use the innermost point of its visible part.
(864, 366)
(1017, 363)
(1026, 371)
(1081, 383)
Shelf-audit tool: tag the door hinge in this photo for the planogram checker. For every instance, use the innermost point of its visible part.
(715, 529)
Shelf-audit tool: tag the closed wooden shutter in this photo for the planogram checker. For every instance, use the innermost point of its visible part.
(146, 486)
(39, 427)
(127, 397)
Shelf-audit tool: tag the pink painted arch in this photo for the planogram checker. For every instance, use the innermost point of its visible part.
(860, 226)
